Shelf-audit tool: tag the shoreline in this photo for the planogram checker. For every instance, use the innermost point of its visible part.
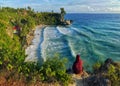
(31, 34)
(32, 43)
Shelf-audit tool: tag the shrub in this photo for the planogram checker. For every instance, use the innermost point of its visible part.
(96, 67)
(54, 69)
(114, 75)
(12, 54)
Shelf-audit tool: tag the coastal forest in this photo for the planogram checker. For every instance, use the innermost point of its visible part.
(15, 25)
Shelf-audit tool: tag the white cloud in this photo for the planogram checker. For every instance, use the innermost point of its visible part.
(69, 5)
(79, 8)
(114, 1)
(114, 9)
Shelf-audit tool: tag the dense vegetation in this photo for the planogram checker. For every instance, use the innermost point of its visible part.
(12, 54)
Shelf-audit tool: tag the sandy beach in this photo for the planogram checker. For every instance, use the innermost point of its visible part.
(34, 41)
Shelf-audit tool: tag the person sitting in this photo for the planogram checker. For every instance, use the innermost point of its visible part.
(77, 65)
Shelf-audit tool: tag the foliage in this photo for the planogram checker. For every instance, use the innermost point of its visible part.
(26, 19)
(54, 69)
(12, 54)
(48, 18)
(113, 75)
(96, 67)
(62, 14)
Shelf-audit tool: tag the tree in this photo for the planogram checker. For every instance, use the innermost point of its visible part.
(29, 8)
(63, 12)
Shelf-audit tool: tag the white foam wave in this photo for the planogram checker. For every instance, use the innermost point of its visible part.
(69, 32)
(55, 42)
(51, 40)
(65, 31)
(50, 43)
(31, 50)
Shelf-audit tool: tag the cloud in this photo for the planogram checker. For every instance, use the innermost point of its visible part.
(69, 5)
(114, 9)
(83, 6)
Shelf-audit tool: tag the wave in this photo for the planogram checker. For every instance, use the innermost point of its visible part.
(106, 43)
(40, 55)
(111, 23)
(54, 42)
(67, 32)
(106, 22)
(81, 33)
(93, 31)
(73, 39)
(89, 29)
(31, 50)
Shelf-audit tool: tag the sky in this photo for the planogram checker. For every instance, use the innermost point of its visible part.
(71, 6)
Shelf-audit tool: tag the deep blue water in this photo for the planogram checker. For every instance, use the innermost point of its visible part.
(94, 36)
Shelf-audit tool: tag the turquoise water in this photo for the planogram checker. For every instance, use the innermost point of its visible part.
(99, 36)
(94, 36)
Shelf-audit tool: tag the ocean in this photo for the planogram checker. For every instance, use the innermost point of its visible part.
(95, 37)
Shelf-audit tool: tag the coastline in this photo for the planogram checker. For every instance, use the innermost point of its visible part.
(31, 34)
(33, 40)
(32, 43)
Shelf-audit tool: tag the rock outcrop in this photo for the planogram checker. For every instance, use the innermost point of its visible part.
(98, 80)
(68, 22)
(105, 76)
